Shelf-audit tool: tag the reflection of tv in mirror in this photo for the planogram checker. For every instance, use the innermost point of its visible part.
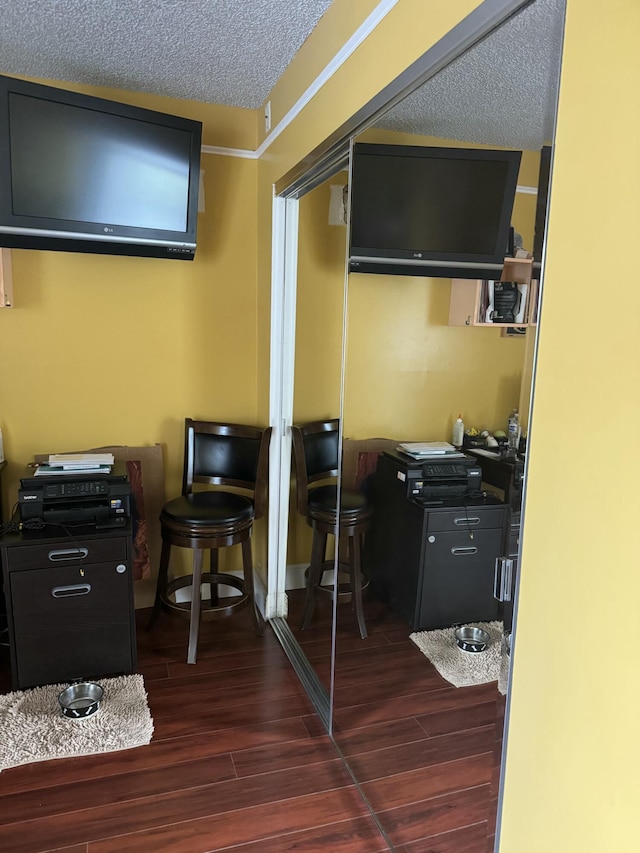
(422, 210)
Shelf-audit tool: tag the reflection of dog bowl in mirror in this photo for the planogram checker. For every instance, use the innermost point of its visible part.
(80, 700)
(471, 639)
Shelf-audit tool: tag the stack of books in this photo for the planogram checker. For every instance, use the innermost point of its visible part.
(76, 463)
(430, 450)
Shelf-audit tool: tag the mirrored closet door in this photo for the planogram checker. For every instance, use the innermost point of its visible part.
(317, 398)
(424, 740)
(403, 371)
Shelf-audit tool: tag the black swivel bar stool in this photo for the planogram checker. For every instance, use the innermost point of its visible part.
(329, 511)
(218, 454)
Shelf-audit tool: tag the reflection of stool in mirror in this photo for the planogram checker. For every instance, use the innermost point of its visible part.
(329, 512)
(217, 454)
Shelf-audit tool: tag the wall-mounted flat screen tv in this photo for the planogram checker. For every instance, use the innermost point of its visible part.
(424, 210)
(86, 174)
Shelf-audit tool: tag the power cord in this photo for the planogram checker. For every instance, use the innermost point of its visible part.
(18, 526)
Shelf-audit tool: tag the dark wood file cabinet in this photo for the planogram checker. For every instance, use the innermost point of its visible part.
(434, 566)
(507, 473)
(70, 607)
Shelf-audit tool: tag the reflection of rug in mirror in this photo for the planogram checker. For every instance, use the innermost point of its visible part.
(33, 728)
(462, 669)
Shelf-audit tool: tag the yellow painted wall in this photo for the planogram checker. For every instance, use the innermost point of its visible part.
(337, 24)
(572, 781)
(319, 307)
(116, 350)
(409, 373)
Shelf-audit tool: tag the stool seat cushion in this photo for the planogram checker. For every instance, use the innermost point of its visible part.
(209, 508)
(325, 499)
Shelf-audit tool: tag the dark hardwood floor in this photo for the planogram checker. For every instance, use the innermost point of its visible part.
(240, 762)
(426, 755)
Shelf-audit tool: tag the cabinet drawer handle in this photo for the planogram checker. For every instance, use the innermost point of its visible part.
(467, 522)
(508, 580)
(464, 552)
(72, 589)
(503, 579)
(68, 554)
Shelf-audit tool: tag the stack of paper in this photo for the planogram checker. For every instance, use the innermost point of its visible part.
(428, 449)
(76, 463)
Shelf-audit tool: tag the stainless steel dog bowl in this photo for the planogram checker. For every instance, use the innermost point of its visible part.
(471, 639)
(80, 700)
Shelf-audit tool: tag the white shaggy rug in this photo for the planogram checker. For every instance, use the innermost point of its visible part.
(33, 728)
(463, 669)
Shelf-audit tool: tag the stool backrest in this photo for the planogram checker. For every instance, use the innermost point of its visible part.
(224, 454)
(316, 452)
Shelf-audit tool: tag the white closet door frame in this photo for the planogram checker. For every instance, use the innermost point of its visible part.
(283, 340)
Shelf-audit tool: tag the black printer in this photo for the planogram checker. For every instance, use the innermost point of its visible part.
(435, 478)
(101, 499)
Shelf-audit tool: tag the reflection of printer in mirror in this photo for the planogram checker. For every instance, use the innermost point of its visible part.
(433, 479)
(505, 471)
(103, 500)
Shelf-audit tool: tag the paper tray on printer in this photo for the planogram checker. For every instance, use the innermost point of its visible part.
(429, 449)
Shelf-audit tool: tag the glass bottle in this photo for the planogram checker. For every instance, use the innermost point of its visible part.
(513, 431)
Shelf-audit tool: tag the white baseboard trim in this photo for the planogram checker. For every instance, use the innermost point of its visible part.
(269, 606)
(295, 576)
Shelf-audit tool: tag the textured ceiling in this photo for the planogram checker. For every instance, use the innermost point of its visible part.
(218, 51)
(501, 92)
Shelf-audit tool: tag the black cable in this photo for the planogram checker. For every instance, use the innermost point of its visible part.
(19, 526)
(16, 526)
(466, 512)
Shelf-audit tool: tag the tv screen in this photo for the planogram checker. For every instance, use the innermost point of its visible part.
(85, 174)
(422, 210)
